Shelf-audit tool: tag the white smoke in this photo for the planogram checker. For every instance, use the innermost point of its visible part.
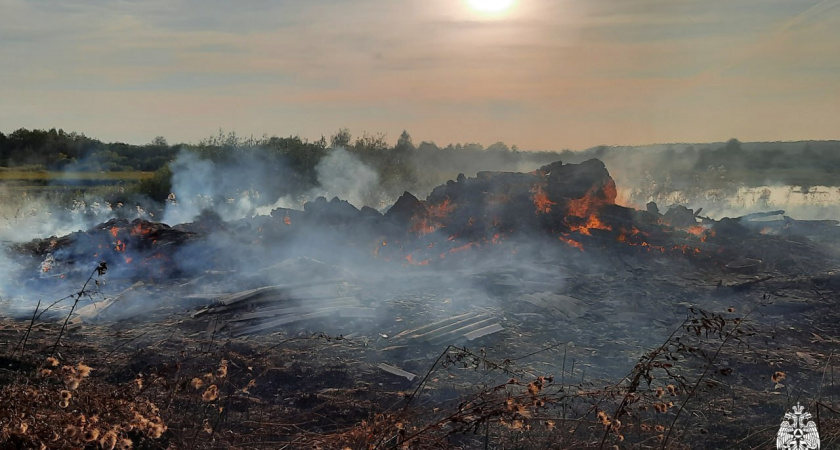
(233, 193)
(343, 175)
(25, 216)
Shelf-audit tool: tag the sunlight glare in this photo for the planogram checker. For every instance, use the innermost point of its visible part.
(490, 6)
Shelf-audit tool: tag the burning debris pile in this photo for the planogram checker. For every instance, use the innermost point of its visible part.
(513, 236)
(571, 206)
(144, 246)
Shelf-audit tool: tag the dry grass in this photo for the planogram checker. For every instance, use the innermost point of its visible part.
(712, 384)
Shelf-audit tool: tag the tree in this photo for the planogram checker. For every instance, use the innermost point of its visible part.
(404, 142)
(159, 141)
(341, 138)
(733, 146)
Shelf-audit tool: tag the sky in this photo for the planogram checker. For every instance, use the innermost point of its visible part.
(543, 75)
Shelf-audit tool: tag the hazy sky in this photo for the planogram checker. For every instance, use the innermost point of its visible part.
(549, 74)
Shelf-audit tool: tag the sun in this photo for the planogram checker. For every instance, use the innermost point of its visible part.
(491, 6)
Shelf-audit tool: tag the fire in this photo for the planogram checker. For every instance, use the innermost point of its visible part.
(466, 246)
(119, 246)
(634, 232)
(287, 220)
(592, 223)
(588, 206)
(441, 210)
(432, 220)
(114, 231)
(697, 230)
(139, 230)
(572, 242)
(541, 200)
(700, 231)
(411, 261)
(687, 250)
(636, 238)
(592, 201)
(422, 227)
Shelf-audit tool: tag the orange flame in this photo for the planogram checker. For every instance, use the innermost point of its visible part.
(138, 230)
(119, 246)
(588, 207)
(593, 200)
(592, 223)
(287, 220)
(114, 231)
(700, 231)
(571, 242)
(431, 221)
(541, 200)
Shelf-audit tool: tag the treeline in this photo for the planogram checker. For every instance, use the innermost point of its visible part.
(805, 163)
(400, 167)
(406, 166)
(58, 150)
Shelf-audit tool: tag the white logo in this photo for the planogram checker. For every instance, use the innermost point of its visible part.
(797, 432)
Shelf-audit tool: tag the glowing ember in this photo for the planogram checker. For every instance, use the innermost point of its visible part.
(572, 242)
(433, 219)
(138, 230)
(422, 227)
(541, 201)
(592, 223)
(287, 220)
(441, 210)
(411, 261)
(47, 264)
(466, 246)
(119, 246)
(696, 230)
(114, 231)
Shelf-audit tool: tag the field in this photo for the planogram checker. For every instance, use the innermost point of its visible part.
(43, 176)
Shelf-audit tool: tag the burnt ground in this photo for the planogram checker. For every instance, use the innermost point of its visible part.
(636, 351)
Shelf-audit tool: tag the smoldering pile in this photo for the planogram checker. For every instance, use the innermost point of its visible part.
(570, 206)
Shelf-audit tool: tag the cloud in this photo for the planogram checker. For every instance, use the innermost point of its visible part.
(123, 70)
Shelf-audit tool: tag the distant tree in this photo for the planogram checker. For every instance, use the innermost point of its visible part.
(371, 143)
(733, 146)
(404, 142)
(428, 147)
(498, 147)
(341, 138)
(159, 141)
